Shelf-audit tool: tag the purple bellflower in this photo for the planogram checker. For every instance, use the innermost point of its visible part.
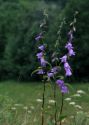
(68, 72)
(43, 62)
(55, 70)
(67, 69)
(39, 55)
(71, 52)
(64, 89)
(60, 82)
(62, 86)
(42, 47)
(50, 74)
(38, 37)
(64, 59)
(69, 46)
(70, 49)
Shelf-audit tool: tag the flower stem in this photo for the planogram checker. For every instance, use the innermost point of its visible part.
(55, 117)
(43, 103)
(61, 110)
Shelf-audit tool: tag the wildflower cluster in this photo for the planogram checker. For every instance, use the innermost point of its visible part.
(55, 68)
(52, 70)
(41, 58)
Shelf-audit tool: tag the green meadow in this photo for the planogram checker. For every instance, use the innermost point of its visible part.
(20, 103)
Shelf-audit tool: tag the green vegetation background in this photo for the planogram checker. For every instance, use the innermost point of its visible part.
(19, 24)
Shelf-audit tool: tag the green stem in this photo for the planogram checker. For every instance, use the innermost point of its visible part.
(55, 105)
(43, 104)
(61, 110)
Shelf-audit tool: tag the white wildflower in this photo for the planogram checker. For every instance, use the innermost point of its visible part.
(51, 101)
(32, 107)
(25, 107)
(35, 120)
(78, 106)
(39, 100)
(79, 112)
(29, 111)
(49, 107)
(72, 103)
(68, 99)
(71, 116)
(80, 92)
(13, 108)
(18, 104)
(77, 95)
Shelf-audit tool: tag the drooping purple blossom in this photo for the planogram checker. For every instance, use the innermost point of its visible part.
(71, 52)
(43, 62)
(39, 55)
(67, 69)
(50, 74)
(60, 82)
(64, 89)
(67, 66)
(38, 37)
(68, 72)
(70, 49)
(42, 47)
(62, 86)
(69, 46)
(55, 70)
(64, 59)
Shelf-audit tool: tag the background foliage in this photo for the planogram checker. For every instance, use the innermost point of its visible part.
(19, 24)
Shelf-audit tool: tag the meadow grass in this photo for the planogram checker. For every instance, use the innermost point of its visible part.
(20, 103)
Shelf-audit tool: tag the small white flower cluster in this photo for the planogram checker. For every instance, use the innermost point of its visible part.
(81, 92)
(68, 99)
(78, 94)
(25, 108)
(17, 105)
(13, 108)
(39, 100)
(51, 101)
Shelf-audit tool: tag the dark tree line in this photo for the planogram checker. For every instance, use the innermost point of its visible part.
(19, 24)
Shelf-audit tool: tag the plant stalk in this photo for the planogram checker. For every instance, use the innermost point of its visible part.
(55, 115)
(43, 103)
(61, 110)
